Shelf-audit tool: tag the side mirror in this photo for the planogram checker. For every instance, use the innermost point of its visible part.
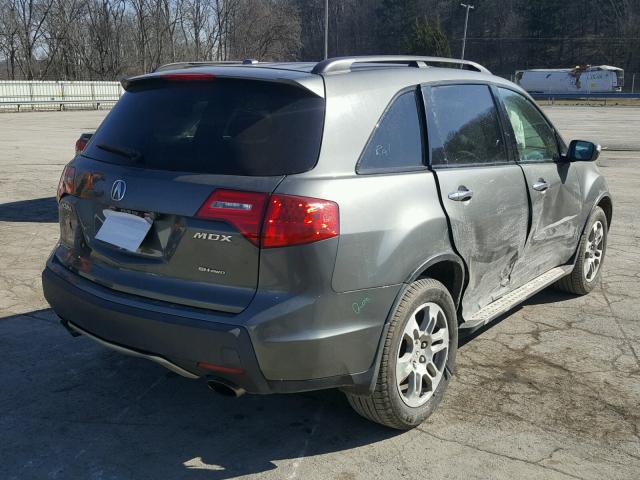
(583, 151)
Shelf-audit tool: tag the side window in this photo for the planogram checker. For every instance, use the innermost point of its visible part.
(535, 139)
(463, 126)
(396, 143)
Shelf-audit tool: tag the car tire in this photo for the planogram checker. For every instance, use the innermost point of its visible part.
(416, 341)
(591, 252)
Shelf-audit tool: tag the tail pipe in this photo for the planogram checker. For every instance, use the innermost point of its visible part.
(228, 389)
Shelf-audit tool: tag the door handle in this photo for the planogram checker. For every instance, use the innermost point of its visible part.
(541, 185)
(462, 194)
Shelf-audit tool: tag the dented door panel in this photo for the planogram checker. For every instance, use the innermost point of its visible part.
(555, 218)
(489, 230)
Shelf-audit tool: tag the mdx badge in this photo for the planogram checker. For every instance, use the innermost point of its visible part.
(212, 236)
(118, 190)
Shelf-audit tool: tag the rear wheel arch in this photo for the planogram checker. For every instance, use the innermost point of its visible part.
(448, 269)
(383, 402)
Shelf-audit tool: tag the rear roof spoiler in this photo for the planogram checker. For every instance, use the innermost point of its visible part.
(304, 80)
(223, 63)
(344, 64)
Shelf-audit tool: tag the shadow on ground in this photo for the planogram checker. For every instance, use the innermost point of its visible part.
(548, 295)
(82, 411)
(86, 412)
(44, 210)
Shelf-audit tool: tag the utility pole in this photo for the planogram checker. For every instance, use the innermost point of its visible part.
(326, 29)
(466, 22)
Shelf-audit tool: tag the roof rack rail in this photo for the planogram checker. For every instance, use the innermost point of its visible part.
(343, 64)
(178, 65)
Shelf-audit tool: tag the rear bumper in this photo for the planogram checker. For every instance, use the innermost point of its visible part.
(76, 330)
(180, 337)
(179, 340)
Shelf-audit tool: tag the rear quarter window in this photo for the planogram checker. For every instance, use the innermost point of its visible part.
(223, 126)
(396, 141)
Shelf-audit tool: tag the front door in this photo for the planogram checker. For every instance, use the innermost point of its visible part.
(482, 191)
(554, 188)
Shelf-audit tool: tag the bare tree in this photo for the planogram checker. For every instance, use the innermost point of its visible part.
(196, 15)
(106, 39)
(103, 38)
(9, 30)
(61, 33)
(31, 16)
(265, 30)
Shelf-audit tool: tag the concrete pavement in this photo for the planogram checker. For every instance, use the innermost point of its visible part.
(550, 391)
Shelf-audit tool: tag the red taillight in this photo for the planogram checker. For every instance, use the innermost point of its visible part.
(80, 144)
(181, 77)
(293, 220)
(66, 184)
(244, 210)
(289, 219)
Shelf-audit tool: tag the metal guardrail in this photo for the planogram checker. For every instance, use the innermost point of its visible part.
(578, 95)
(585, 97)
(46, 95)
(59, 103)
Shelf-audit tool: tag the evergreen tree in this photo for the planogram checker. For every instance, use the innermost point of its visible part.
(427, 38)
(395, 19)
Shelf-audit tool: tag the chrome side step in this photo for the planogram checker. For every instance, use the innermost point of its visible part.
(127, 351)
(511, 299)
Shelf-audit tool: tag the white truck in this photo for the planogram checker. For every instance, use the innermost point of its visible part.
(580, 79)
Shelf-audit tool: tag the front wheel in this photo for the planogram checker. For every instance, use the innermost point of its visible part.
(417, 359)
(591, 250)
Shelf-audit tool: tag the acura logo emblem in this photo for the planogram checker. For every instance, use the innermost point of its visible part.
(118, 190)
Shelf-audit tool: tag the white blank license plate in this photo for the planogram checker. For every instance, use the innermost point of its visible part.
(123, 230)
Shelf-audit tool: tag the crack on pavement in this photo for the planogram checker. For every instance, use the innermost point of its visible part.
(499, 454)
(624, 334)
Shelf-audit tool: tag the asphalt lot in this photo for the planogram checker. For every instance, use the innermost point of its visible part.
(550, 391)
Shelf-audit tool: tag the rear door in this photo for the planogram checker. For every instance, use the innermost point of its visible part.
(482, 191)
(554, 187)
(196, 157)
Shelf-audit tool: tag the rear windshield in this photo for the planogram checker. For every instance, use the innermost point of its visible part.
(223, 126)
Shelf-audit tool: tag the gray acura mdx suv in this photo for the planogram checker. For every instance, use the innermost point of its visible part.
(282, 227)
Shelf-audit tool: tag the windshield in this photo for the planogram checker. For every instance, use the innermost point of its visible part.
(222, 126)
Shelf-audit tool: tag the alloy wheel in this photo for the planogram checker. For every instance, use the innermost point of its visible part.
(422, 354)
(593, 251)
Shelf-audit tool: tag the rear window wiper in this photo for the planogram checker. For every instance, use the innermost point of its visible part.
(130, 153)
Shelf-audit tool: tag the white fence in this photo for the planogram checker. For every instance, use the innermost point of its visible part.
(53, 95)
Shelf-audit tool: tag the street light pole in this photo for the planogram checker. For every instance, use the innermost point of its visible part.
(466, 22)
(326, 29)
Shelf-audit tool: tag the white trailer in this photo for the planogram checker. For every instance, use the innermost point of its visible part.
(581, 79)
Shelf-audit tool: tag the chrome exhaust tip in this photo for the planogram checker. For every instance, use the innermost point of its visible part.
(225, 388)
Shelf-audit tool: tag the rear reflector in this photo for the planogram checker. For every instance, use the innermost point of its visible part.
(243, 210)
(220, 368)
(66, 184)
(289, 219)
(294, 220)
